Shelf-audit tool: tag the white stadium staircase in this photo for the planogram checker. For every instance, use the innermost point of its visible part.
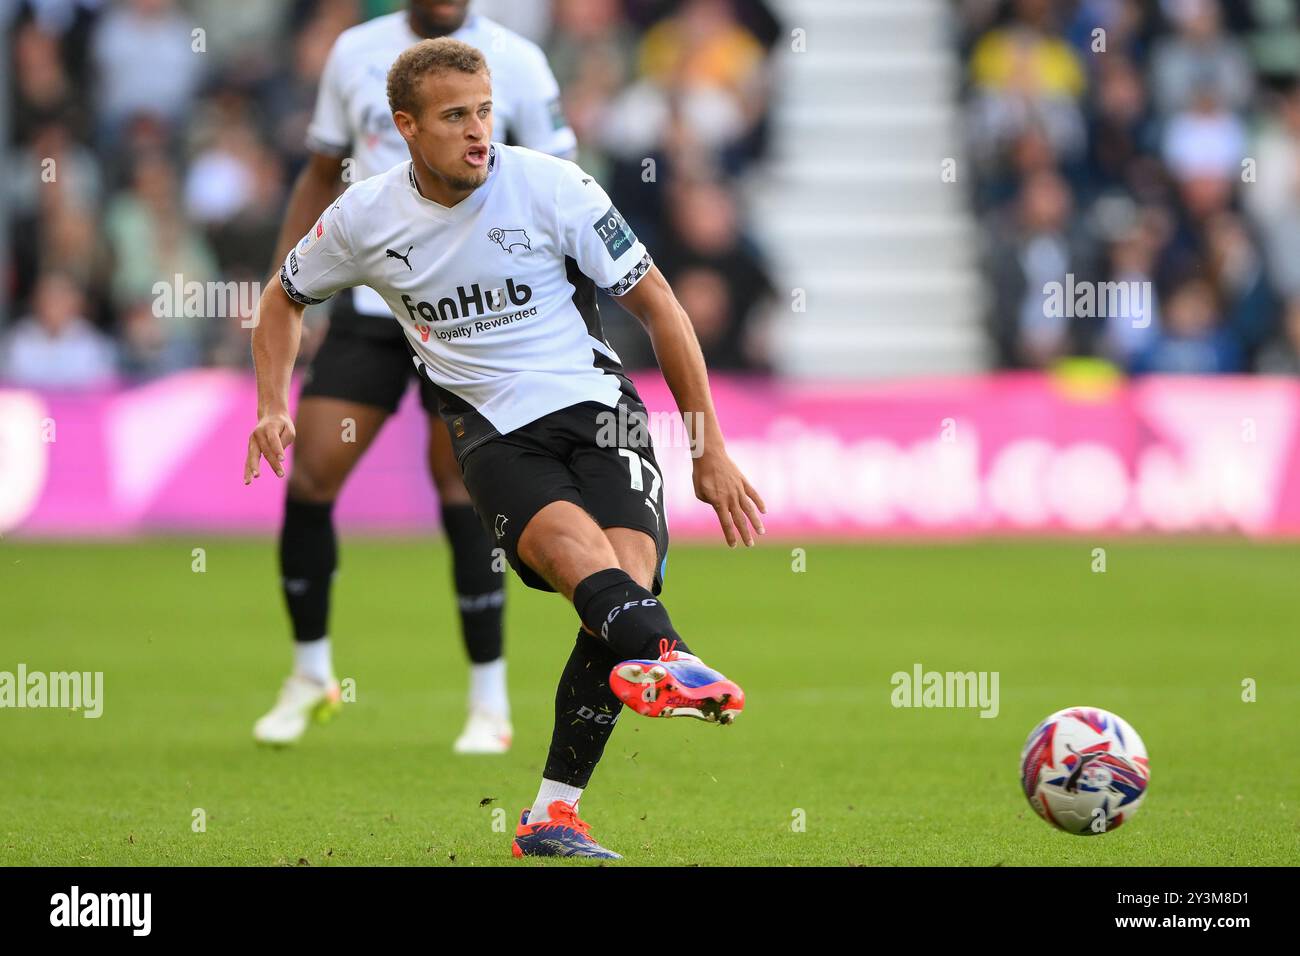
(851, 207)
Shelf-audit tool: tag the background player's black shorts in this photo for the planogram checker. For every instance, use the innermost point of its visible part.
(372, 368)
(559, 458)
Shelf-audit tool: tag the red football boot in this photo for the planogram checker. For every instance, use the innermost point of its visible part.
(677, 685)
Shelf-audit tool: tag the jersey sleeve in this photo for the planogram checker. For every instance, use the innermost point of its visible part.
(322, 262)
(595, 234)
(539, 121)
(328, 131)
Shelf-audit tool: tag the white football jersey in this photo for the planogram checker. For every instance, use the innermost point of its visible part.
(352, 117)
(497, 294)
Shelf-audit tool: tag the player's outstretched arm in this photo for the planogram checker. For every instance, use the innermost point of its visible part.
(717, 479)
(275, 346)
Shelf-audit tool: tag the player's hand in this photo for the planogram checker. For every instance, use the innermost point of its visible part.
(719, 482)
(273, 434)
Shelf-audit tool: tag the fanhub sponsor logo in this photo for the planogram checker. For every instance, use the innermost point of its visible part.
(75, 908)
(468, 302)
(958, 689)
(1098, 300)
(66, 690)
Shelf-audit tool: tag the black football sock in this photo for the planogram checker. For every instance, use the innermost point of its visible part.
(585, 712)
(628, 618)
(480, 590)
(308, 558)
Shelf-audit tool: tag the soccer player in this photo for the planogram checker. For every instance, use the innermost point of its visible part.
(363, 366)
(501, 249)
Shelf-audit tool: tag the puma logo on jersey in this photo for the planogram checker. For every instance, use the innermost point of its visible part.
(398, 255)
(508, 239)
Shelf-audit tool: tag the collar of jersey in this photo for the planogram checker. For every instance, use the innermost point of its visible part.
(467, 206)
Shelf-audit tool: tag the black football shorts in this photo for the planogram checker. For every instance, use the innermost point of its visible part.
(365, 359)
(569, 455)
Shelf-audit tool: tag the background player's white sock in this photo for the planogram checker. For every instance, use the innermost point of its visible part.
(487, 687)
(312, 659)
(552, 790)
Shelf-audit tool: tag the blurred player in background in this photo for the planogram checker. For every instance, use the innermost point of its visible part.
(363, 366)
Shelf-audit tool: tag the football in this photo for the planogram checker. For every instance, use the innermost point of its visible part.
(1084, 770)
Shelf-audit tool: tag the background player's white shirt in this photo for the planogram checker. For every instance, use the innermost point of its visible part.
(352, 115)
(496, 294)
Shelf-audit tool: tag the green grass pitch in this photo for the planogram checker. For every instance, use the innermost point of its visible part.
(821, 769)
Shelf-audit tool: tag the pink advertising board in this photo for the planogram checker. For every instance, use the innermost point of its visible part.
(995, 454)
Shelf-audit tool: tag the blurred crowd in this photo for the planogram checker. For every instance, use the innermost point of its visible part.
(1154, 142)
(143, 152)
